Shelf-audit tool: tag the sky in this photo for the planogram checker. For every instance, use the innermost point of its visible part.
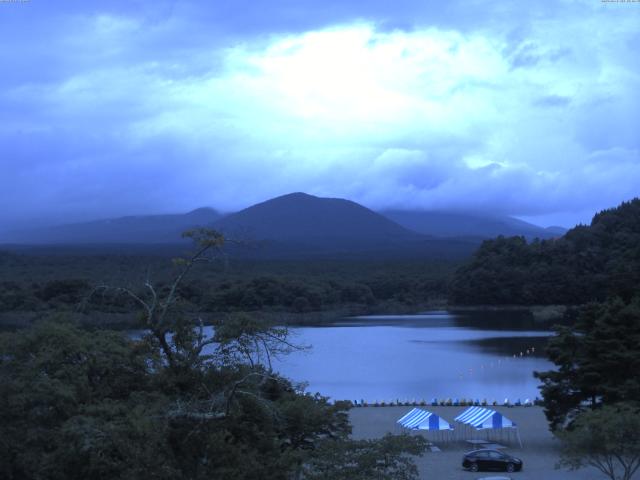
(114, 108)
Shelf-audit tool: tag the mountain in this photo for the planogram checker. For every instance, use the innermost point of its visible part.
(145, 229)
(298, 224)
(458, 224)
(299, 217)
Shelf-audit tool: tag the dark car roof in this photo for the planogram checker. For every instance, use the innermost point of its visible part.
(484, 450)
(495, 478)
(481, 450)
(473, 452)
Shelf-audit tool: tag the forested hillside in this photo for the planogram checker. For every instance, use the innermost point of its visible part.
(589, 263)
(34, 285)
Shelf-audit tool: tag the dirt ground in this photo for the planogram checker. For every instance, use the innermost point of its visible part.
(539, 450)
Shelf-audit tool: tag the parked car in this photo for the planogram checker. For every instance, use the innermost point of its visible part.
(486, 459)
(495, 478)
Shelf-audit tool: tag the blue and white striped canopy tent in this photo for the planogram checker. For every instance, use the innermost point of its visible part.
(418, 419)
(480, 418)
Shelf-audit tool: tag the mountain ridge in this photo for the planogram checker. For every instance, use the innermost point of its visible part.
(298, 224)
(130, 229)
(442, 223)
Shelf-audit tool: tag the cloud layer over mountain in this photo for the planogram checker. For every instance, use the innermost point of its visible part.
(113, 108)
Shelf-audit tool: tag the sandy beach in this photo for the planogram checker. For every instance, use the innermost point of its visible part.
(539, 451)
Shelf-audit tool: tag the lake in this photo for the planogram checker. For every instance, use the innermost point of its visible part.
(479, 355)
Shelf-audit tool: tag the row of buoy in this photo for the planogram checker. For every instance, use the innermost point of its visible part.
(445, 403)
(528, 351)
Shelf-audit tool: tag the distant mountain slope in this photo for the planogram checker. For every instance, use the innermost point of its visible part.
(298, 217)
(296, 225)
(299, 224)
(588, 263)
(144, 229)
(457, 224)
(556, 230)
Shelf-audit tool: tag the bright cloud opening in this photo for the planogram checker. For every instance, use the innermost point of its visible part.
(429, 117)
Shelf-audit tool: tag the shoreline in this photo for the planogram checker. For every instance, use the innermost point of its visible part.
(127, 320)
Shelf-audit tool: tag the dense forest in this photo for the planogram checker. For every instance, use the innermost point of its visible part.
(589, 263)
(36, 285)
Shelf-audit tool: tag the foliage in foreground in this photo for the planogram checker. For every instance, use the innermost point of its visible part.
(598, 360)
(366, 459)
(607, 438)
(592, 400)
(76, 404)
(174, 405)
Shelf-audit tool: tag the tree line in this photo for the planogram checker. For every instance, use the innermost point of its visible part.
(312, 286)
(589, 263)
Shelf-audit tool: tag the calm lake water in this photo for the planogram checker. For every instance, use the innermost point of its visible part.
(435, 354)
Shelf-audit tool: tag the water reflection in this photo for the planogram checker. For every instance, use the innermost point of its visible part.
(500, 320)
(503, 346)
(421, 356)
(519, 320)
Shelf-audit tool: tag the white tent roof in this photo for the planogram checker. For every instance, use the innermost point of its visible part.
(482, 418)
(418, 419)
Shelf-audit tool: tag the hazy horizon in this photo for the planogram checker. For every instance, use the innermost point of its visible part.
(535, 220)
(132, 108)
(544, 221)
